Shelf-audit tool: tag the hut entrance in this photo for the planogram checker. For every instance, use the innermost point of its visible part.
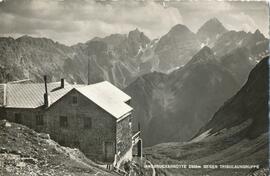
(109, 151)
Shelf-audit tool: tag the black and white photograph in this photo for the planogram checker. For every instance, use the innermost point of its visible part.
(134, 88)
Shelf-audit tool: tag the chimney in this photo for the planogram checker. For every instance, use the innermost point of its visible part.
(47, 100)
(45, 82)
(46, 94)
(62, 83)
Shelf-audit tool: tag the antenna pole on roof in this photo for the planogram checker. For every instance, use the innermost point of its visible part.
(88, 66)
(47, 101)
(45, 82)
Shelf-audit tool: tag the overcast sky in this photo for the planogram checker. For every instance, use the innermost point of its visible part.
(70, 21)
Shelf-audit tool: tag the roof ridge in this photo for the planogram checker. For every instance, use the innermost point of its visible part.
(108, 97)
(104, 94)
(19, 81)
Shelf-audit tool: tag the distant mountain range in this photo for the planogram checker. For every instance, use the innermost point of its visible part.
(34, 57)
(172, 107)
(237, 134)
(177, 82)
(118, 58)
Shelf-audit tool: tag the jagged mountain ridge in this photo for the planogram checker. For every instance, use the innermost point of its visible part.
(38, 56)
(152, 99)
(237, 134)
(32, 56)
(182, 101)
(118, 58)
(255, 42)
(115, 58)
(175, 48)
(121, 59)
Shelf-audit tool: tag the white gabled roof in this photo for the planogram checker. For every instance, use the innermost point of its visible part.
(30, 95)
(108, 97)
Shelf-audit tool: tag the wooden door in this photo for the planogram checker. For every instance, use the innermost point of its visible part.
(109, 151)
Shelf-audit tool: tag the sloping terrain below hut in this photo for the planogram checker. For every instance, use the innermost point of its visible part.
(24, 152)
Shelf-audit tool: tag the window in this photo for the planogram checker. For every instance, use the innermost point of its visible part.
(18, 118)
(87, 122)
(63, 121)
(74, 100)
(130, 122)
(39, 120)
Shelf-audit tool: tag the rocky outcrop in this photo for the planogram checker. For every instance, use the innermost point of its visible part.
(25, 152)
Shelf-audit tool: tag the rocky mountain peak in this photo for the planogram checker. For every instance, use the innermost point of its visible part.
(25, 38)
(258, 34)
(135, 31)
(95, 39)
(179, 29)
(137, 35)
(114, 39)
(212, 25)
(214, 21)
(257, 31)
(211, 30)
(36, 41)
(176, 47)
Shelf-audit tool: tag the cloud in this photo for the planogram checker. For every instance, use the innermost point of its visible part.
(71, 21)
(247, 16)
(244, 21)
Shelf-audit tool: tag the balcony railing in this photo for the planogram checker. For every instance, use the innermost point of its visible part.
(135, 137)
